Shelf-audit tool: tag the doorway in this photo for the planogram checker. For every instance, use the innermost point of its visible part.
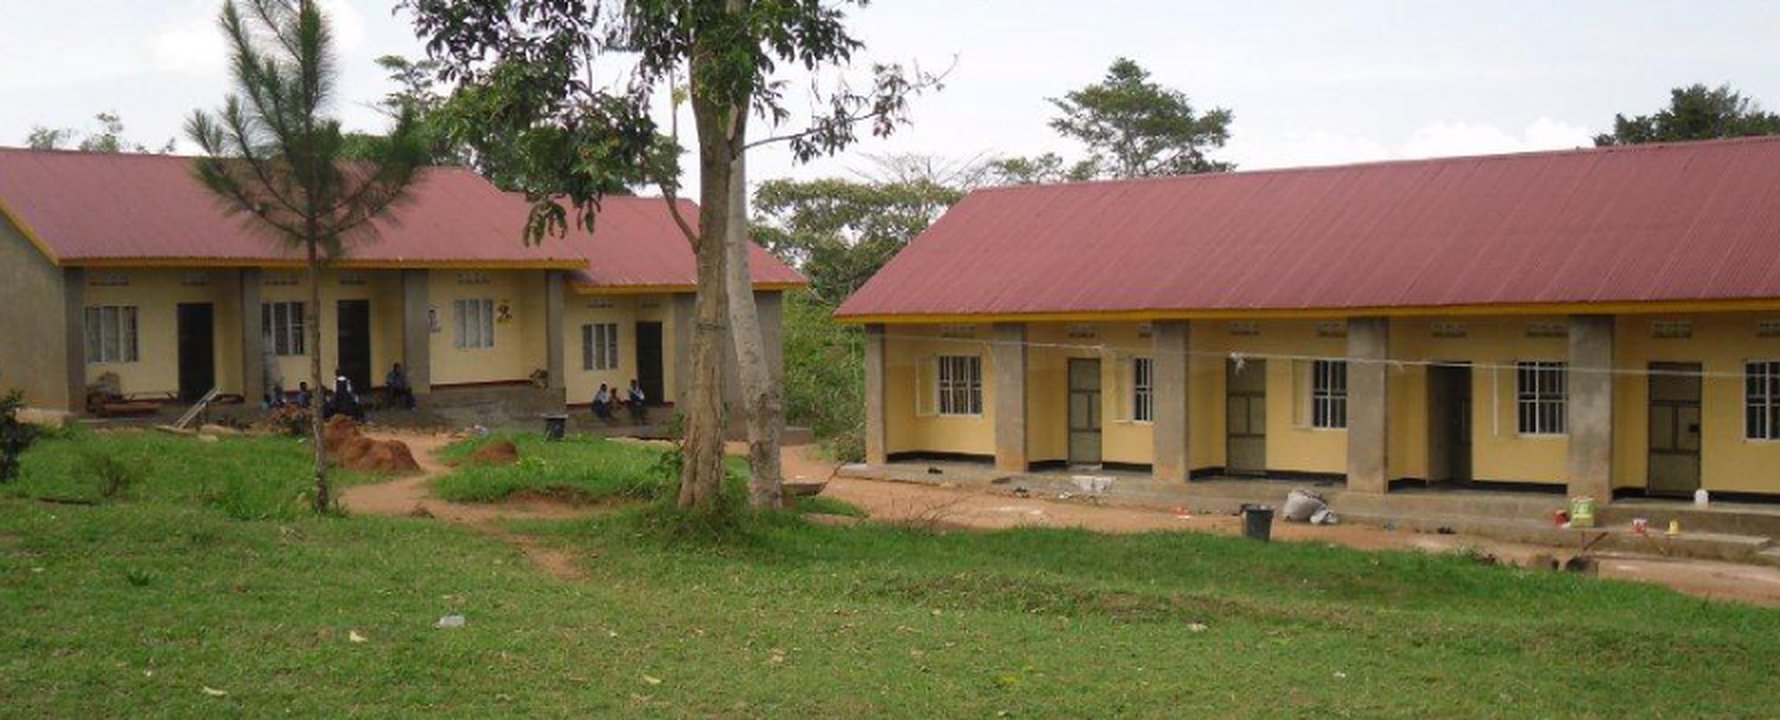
(1245, 417)
(1084, 411)
(649, 362)
(1674, 428)
(197, 350)
(353, 351)
(1449, 422)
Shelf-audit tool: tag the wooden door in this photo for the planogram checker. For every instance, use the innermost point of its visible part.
(1084, 411)
(1245, 417)
(1674, 428)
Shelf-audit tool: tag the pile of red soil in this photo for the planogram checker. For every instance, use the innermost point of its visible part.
(351, 450)
(500, 452)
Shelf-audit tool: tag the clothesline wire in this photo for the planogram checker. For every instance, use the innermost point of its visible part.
(1239, 356)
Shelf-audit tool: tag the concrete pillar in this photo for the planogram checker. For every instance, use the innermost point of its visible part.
(877, 437)
(770, 304)
(555, 363)
(683, 320)
(1009, 352)
(253, 341)
(1169, 393)
(1589, 407)
(1368, 404)
(417, 332)
(74, 309)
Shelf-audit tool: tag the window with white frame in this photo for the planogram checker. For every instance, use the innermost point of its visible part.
(475, 323)
(281, 324)
(599, 346)
(1761, 399)
(1541, 387)
(1328, 394)
(1143, 399)
(111, 334)
(960, 384)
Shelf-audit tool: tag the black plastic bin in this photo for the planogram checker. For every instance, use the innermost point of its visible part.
(555, 426)
(1257, 522)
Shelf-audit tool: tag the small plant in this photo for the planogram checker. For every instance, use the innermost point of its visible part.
(138, 577)
(15, 435)
(114, 475)
(289, 421)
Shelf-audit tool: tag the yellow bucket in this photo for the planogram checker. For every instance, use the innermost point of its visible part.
(1582, 512)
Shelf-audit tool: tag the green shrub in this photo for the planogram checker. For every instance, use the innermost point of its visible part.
(113, 475)
(15, 435)
(825, 375)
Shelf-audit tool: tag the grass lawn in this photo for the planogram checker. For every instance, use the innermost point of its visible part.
(136, 605)
(247, 478)
(581, 469)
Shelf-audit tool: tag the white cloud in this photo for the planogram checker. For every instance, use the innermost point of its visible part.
(1439, 139)
(194, 45)
(1298, 149)
(1445, 139)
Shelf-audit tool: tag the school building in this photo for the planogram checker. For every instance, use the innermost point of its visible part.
(123, 269)
(1599, 321)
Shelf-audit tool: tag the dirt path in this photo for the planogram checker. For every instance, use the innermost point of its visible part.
(969, 509)
(411, 496)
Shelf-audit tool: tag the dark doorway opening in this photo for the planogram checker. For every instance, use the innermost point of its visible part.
(1084, 411)
(353, 349)
(1245, 417)
(649, 375)
(1449, 422)
(197, 350)
(1674, 428)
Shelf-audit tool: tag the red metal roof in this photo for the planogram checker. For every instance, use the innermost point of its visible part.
(96, 208)
(637, 244)
(1670, 222)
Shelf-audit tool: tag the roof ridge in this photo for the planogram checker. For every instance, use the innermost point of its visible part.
(11, 149)
(1638, 148)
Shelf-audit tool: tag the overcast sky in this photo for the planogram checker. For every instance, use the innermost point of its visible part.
(1310, 82)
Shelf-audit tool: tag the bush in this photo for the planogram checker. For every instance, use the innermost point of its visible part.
(113, 475)
(289, 421)
(15, 435)
(825, 375)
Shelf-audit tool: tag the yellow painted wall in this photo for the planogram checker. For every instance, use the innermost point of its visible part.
(156, 295)
(382, 288)
(519, 341)
(1122, 439)
(908, 347)
(1292, 444)
(626, 311)
(1721, 344)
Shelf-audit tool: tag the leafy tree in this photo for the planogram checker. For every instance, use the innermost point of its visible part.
(526, 72)
(1133, 127)
(1043, 169)
(416, 96)
(840, 232)
(48, 138)
(108, 139)
(1695, 112)
(273, 156)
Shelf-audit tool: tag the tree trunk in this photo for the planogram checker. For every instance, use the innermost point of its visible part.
(322, 500)
(762, 400)
(701, 472)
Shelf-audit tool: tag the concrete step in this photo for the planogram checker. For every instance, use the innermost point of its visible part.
(1769, 557)
(1715, 546)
